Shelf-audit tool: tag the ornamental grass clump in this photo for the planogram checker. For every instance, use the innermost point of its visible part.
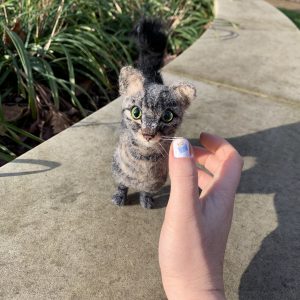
(60, 59)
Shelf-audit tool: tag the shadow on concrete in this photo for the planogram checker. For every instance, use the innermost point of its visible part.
(49, 165)
(274, 271)
(224, 29)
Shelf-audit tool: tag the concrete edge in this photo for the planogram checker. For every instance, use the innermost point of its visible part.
(165, 70)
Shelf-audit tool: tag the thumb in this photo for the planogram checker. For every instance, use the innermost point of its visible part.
(183, 174)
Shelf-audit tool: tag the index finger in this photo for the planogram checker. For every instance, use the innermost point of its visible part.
(217, 145)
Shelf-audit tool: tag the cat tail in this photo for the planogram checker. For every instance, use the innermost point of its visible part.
(151, 41)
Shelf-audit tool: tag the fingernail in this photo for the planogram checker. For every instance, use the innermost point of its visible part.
(181, 148)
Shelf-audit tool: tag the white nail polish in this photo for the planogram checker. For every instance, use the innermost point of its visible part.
(181, 148)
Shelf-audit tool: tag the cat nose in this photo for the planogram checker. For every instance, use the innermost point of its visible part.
(148, 137)
(148, 132)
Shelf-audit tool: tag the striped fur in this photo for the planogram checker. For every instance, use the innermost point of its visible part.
(140, 160)
(138, 163)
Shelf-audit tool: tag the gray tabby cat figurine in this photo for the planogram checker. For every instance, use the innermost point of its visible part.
(151, 112)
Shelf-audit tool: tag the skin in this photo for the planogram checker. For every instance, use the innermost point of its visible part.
(195, 229)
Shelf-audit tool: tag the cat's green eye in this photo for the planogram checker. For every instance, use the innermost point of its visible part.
(168, 116)
(136, 113)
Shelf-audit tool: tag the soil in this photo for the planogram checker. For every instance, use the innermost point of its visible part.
(291, 5)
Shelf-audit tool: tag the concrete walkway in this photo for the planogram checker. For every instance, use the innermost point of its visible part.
(60, 236)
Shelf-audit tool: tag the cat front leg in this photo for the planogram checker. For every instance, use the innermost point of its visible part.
(120, 197)
(146, 200)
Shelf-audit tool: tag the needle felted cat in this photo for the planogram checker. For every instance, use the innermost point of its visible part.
(151, 112)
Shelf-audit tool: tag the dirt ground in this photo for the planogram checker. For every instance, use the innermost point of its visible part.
(286, 4)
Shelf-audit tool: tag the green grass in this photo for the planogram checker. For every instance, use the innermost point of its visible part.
(293, 15)
(59, 59)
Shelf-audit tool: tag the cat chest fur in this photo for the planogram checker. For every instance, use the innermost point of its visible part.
(142, 171)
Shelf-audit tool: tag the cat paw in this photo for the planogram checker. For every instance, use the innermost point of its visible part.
(118, 199)
(146, 201)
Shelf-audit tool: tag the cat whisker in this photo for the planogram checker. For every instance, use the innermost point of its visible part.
(165, 140)
(171, 137)
(160, 151)
(163, 148)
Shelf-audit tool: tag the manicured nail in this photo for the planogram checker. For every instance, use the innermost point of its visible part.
(181, 148)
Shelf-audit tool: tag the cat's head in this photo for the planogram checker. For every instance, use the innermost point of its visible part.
(151, 111)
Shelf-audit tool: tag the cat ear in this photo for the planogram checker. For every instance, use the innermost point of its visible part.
(185, 92)
(131, 81)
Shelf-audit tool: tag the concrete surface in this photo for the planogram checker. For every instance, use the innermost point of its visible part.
(60, 236)
(243, 53)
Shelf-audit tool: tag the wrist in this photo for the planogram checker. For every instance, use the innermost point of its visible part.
(210, 295)
(179, 294)
(209, 289)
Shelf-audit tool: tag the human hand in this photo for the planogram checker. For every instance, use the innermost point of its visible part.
(195, 229)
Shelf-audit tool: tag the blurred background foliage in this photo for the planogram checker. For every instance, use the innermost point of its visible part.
(294, 15)
(60, 59)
